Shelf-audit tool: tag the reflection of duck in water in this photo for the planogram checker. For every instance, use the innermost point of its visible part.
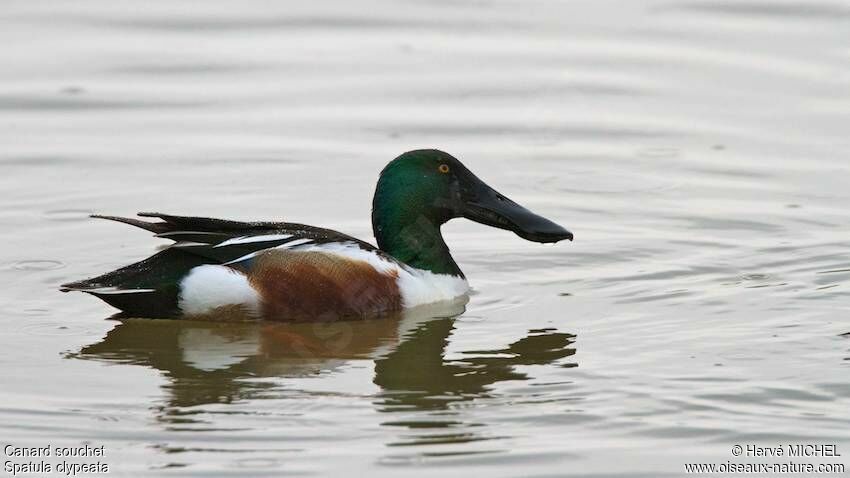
(288, 271)
(418, 375)
(208, 362)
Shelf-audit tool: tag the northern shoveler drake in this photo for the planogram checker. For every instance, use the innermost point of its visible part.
(285, 271)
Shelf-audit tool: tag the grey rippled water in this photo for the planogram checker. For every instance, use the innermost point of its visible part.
(699, 150)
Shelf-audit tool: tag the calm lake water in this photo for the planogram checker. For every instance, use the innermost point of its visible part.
(700, 151)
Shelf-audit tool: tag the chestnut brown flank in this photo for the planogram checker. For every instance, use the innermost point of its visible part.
(314, 285)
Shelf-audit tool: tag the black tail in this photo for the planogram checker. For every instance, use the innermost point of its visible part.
(149, 288)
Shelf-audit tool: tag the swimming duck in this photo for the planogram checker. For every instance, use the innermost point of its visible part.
(286, 271)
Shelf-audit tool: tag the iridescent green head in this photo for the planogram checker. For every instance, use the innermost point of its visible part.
(421, 190)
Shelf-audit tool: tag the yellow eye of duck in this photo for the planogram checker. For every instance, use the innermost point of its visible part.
(444, 168)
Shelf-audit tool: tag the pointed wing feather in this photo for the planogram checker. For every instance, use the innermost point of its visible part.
(155, 227)
(215, 231)
(196, 236)
(209, 230)
(191, 223)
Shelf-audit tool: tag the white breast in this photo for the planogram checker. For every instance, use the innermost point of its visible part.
(420, 287)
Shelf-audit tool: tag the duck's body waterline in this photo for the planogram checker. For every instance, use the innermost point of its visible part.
(287, 271)
(267, 291)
